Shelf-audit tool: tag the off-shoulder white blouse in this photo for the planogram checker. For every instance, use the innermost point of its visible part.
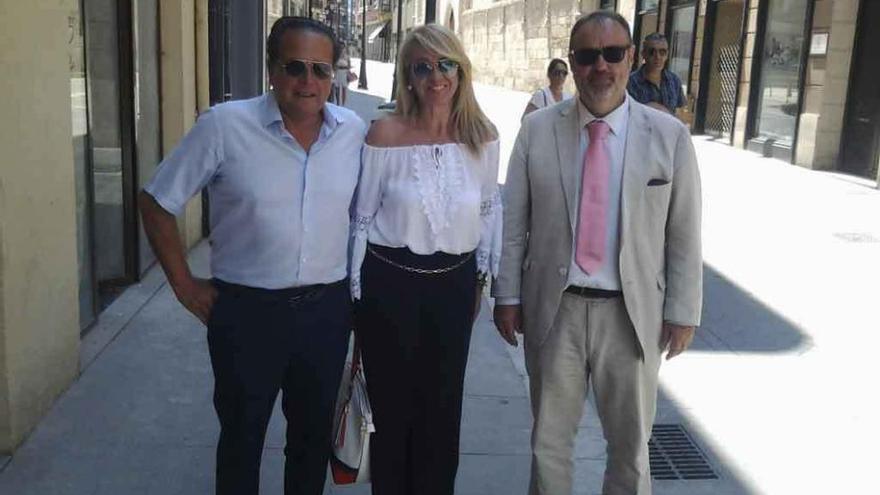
(429, 198)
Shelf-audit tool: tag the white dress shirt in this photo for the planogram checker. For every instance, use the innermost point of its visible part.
(429, 198)
(279, 216)
(608, 275)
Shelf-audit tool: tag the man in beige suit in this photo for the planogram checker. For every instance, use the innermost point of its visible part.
(601, 268)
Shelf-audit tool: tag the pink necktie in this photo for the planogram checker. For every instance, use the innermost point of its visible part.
(590, 247)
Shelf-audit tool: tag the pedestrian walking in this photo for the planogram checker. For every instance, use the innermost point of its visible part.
(601, 267)
(280, 170)
(427, 214)
(341, 80)
(557, 72)
(652, 83)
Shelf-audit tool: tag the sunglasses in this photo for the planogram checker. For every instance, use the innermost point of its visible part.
(298, 68)
(649, 52)
(423, 70)
(589, 56)
(559, 73)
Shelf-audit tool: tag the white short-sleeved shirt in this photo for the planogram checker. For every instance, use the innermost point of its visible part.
(544, 98)
(280, 217)
(429, 198)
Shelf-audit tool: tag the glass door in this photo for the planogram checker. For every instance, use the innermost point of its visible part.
(683, 17)
(779, 85)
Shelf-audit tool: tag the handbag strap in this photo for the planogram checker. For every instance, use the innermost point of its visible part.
(356, 356)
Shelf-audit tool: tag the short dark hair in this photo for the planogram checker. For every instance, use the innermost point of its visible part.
(553, 63)
(658, 37)
(293, 23)
(599, 16)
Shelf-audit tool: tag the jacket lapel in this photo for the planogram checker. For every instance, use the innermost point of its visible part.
(637, 149)
(567, 144)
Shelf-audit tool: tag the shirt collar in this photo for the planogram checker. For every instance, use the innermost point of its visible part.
(616, 119)
(271, 113)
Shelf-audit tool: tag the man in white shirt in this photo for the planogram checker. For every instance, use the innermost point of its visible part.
(280, 170)
(601, 267)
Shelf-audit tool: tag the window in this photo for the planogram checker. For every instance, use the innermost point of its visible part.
(779, 84)
(681, 41)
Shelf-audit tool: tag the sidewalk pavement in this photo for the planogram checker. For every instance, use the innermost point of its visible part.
(775, 392)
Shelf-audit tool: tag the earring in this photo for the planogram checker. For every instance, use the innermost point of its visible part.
(409, 87)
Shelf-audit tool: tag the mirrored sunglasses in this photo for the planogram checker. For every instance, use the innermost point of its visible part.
(298, 68)
(423, 69)
(589, 56)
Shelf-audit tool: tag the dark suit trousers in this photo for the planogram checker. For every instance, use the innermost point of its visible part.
(262, 342)
(415, 332)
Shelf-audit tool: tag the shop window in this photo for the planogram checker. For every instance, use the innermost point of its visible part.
(681, 40)
(779, 85)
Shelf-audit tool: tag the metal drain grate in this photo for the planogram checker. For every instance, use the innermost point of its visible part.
(675, 456)
(857, 237)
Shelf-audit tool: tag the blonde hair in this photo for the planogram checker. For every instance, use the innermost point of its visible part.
(470, 124)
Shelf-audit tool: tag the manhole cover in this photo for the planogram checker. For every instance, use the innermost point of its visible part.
(675, 456)
(859, 237)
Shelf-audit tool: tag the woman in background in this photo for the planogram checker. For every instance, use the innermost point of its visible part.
(557, 72)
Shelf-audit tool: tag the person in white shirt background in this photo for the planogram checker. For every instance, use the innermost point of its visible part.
(281, 171)
(557, 72)
(427, 227)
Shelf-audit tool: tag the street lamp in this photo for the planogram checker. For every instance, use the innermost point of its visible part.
(362, 78)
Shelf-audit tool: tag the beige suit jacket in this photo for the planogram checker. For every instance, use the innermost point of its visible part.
(660, 249)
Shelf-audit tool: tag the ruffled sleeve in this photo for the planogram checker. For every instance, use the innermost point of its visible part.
(489, 247)
(367, 200)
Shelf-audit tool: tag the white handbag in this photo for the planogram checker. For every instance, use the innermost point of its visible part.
(352, 426)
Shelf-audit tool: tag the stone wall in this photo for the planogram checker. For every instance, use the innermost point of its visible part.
(510, 42)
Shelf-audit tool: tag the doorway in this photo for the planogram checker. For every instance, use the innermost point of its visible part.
(861, 129)
(722, 68)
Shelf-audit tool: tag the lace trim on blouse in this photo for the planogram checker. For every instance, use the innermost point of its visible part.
(439, 175)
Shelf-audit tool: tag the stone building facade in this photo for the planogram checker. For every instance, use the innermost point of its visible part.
(791, 79)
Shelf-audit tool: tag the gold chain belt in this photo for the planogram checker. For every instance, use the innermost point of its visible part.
(421, 271)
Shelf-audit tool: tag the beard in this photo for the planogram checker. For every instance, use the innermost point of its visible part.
(600, 88)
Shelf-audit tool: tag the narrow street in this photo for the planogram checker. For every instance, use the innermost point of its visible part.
(775, 392)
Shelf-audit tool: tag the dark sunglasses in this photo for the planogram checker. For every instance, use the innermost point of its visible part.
(423, 70)
(298, 68)
(649, 52)
(559, 73)
(589, 56)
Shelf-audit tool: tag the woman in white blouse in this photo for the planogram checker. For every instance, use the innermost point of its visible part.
(427, 222)
(557, 72)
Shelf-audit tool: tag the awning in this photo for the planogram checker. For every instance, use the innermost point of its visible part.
(376, 32)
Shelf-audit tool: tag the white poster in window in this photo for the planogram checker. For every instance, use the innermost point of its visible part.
(819, 44)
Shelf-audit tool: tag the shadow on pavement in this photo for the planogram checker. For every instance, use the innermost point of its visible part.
(734, 320)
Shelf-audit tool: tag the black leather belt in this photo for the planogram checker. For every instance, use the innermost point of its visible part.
(291, 295)
(593, 293)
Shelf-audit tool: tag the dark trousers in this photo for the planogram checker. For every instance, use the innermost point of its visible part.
(415, 332)
(263, 341)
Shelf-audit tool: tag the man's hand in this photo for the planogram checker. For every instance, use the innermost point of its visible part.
(197, 295)
(675, 339)
(508, 321)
